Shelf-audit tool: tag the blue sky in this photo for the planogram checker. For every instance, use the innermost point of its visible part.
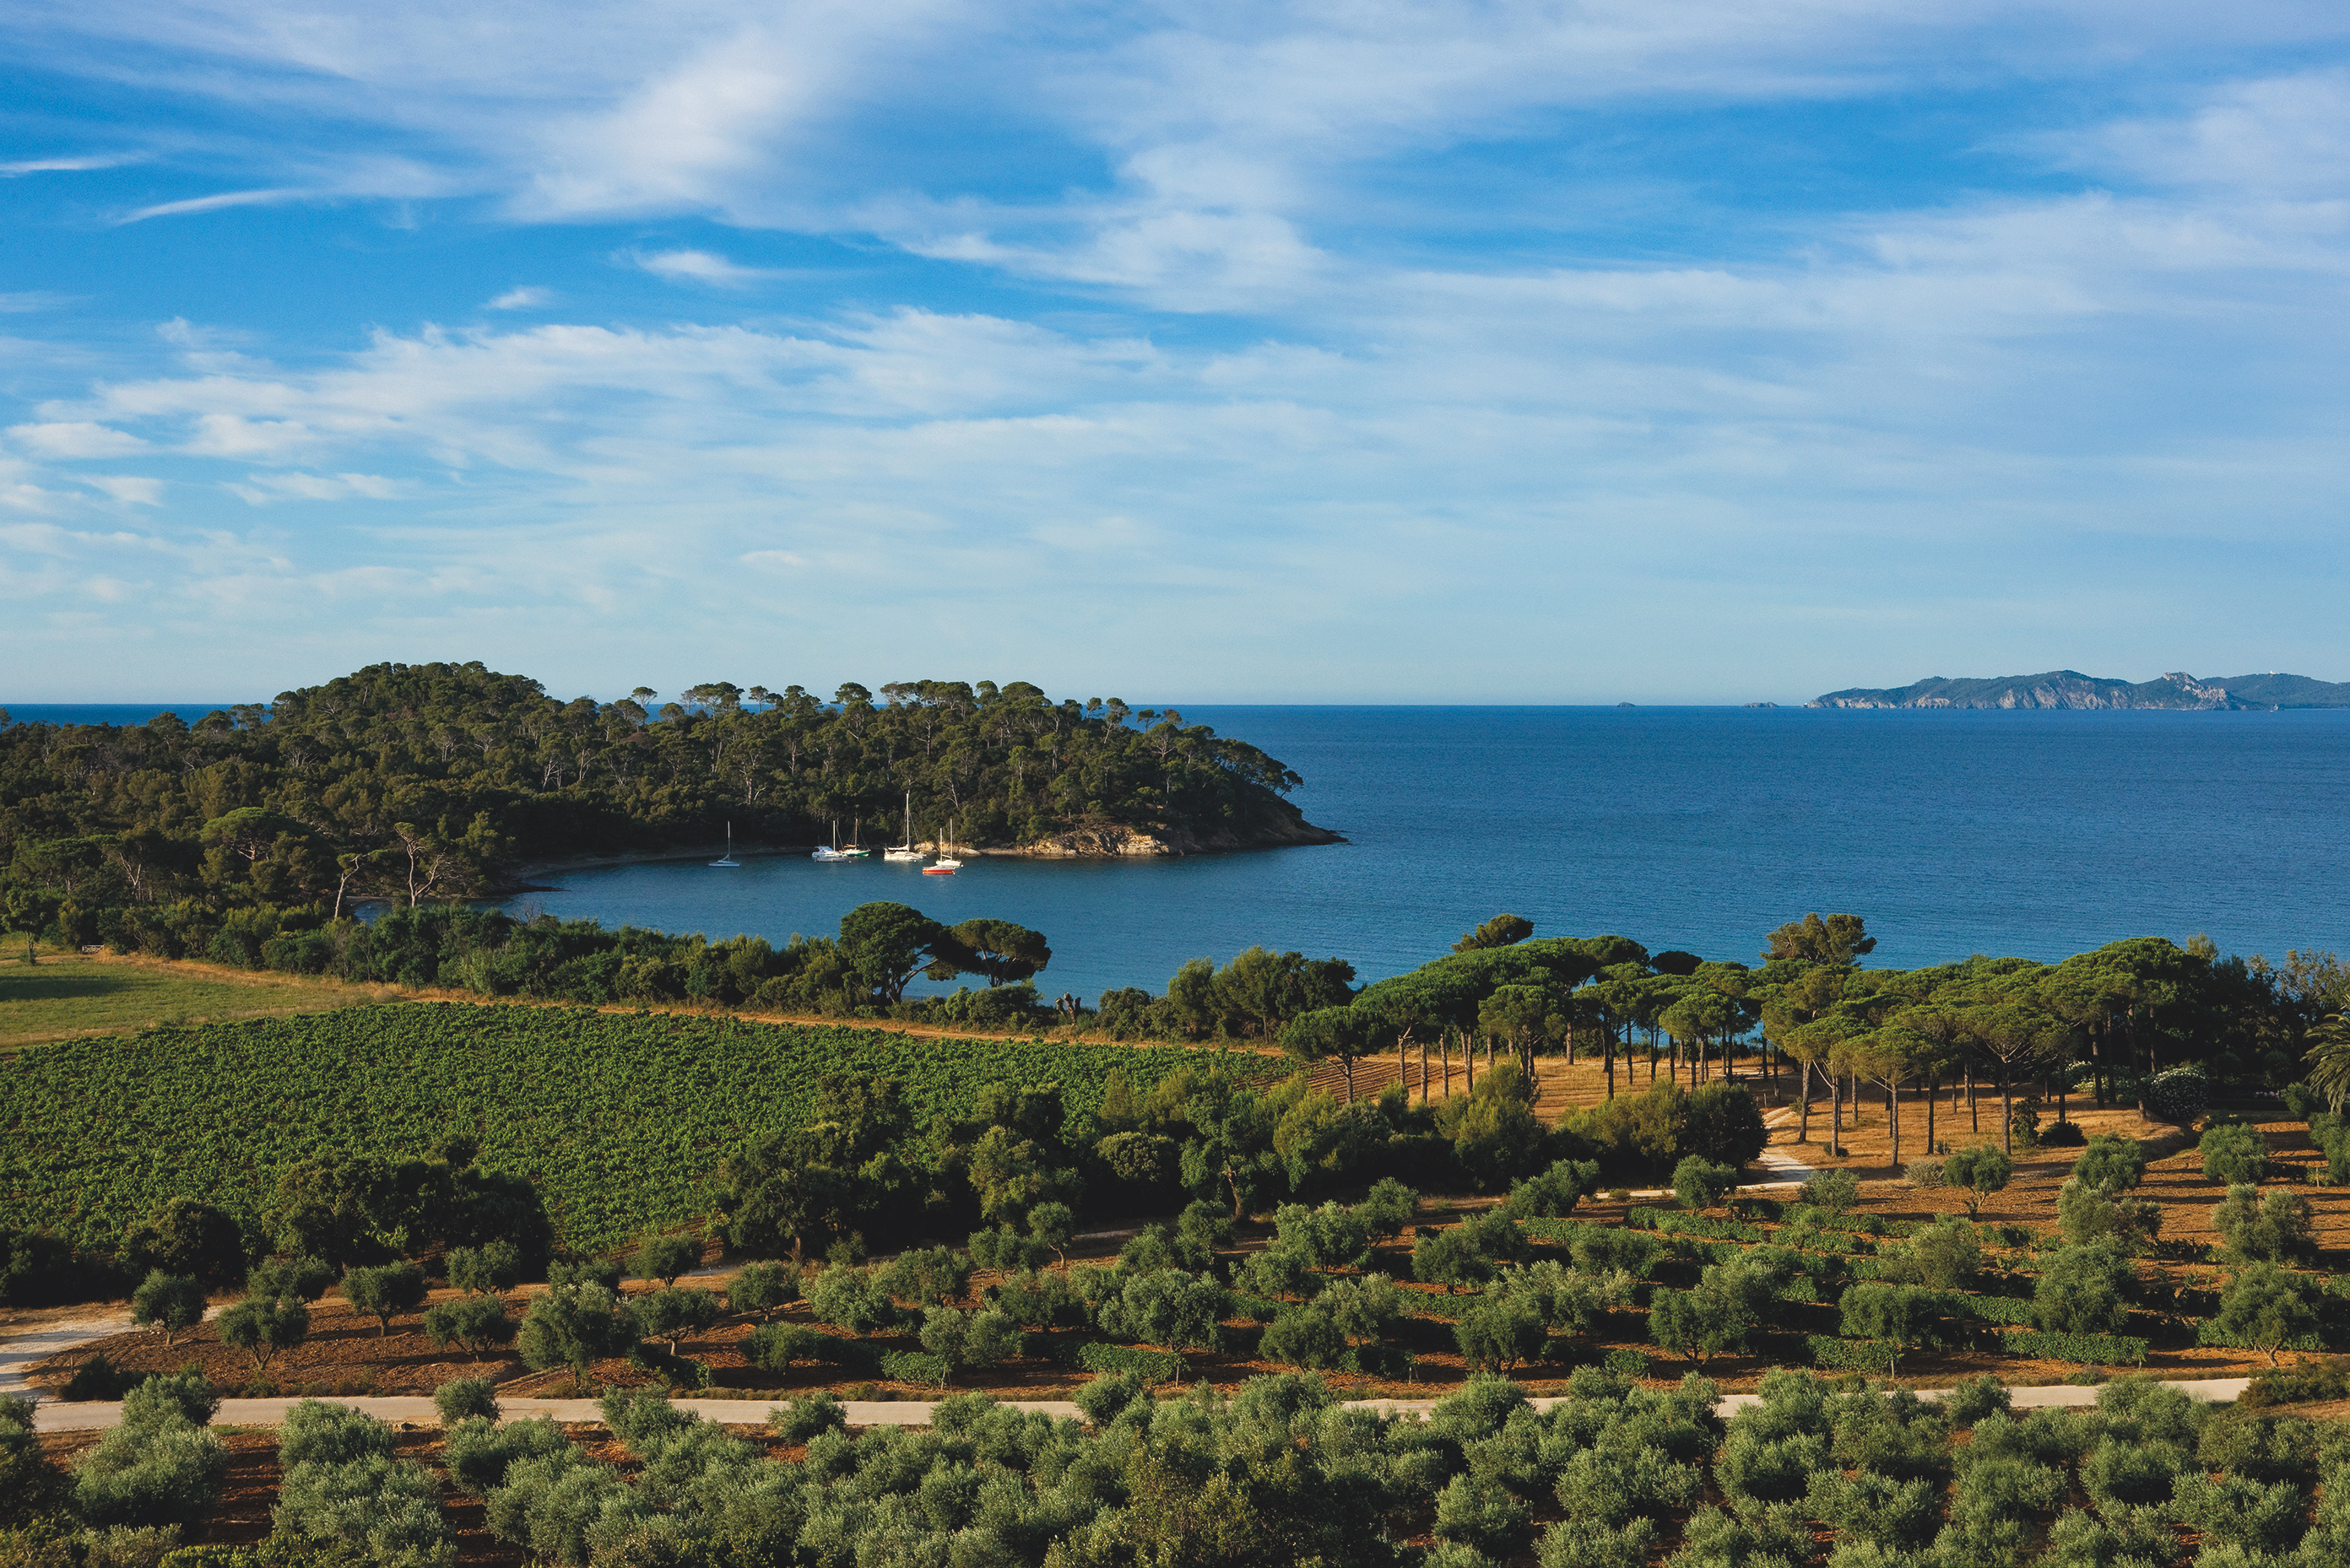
(1704, 352)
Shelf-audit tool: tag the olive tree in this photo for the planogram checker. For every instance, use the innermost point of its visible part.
(476, 1322)
(170, 1303)
(385, 1292)
(1982, 1170)
(2266, 1307)
(2082, 1291)
(2275, 1228)
(260, 1326)
(663, 1258)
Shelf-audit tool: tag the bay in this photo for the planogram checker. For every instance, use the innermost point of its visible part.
(2038, 834)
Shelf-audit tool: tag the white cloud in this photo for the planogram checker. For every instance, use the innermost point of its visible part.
(65, 165)
(211, 204)
(75, 437)
(131, 489)
(699, 266)
(2285, 135)
(260, 489)
(529, 297)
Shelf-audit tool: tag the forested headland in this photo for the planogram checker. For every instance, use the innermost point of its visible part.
(430, 782)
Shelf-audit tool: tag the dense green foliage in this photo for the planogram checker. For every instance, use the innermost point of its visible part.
(432, 780)
(616, 1120)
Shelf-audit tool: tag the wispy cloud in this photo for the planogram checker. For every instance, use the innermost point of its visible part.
(212, 203)
(68, 165)
(75, 437)
(699, 266)
(528, 297)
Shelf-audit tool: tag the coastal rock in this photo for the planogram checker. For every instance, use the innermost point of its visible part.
(1109, 839)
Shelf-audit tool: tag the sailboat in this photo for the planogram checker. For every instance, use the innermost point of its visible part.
(831, 851)
(905, 851)
(945, 865)
(728, 859)
(855, 851)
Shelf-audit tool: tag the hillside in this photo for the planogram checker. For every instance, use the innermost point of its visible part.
(2071, 688)
(450, 779)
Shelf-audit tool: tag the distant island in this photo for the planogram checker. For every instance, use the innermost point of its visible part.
(2071, 688)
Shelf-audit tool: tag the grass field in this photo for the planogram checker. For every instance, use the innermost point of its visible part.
(68, 995)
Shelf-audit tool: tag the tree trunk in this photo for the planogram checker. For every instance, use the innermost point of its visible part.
(1347, 1065)
(1423, 1072)
(1975, 1107)
(1469, 1062)
(1607, 1058)
(1931, 1086)
(1835, 1112)
(2006, 1114)
(1803, 1102)
(1445, 1049)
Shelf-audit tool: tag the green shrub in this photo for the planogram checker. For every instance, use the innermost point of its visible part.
(486, 1269)
(1303, 1336)
(478, 1322)
(260, 1326)
(574, 1326)
(1388, 1208)
(854, 1299)
(465, 1399)
(962, 1340)
(161, 1398)
(377, 1508)
(1945, 1255)
(2086, 1349)
(2082, 1291)
(664, 1258)
(604, 1271)
(149, 1475)
(1831, 1191)
(2089, 1212)
(2234, 1153)
(1447, 1257)
(1722, 1123)
(385, 1292)
(1483, 1516)
(1152, 1366)
(671, 1312)
(302, 1279)
(915, 1366)
(2265, 1308)
(2177, 1096)
(1498, 1331)
(1972, 1399)
(1982, 1168)
(1329, 1237)
(99, 1378)
(807, 1417)
(478, 1451)
(173, 1303)
(1700, 1183)
(926, 1276)
(2272, 1228)
(2111, 1162)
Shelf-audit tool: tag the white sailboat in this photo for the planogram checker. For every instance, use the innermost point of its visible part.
(831, 851)
(905, 851)
(945, 864)
(728, 859)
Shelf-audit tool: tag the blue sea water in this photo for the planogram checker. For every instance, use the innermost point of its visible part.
(105, 713)
(2036, 833)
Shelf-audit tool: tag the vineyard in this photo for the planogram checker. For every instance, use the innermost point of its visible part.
(618, 1121)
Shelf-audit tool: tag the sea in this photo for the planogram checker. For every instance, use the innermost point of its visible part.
(2036, 833)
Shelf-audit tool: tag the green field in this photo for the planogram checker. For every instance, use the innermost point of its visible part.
(66, 995)
(619, 1119)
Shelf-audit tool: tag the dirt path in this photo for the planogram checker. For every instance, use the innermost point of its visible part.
(98, 1415)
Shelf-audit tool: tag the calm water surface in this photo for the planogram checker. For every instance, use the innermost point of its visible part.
(2037, 834)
